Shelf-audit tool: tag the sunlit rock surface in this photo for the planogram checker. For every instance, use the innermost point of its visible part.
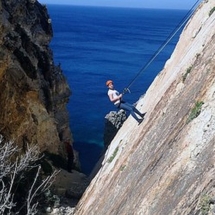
(165, 166)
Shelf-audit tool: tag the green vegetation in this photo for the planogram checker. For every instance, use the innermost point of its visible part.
(211, 11)
(122, 167)
(186, 74)
(205, 205)
(195, 111)
(113, 155)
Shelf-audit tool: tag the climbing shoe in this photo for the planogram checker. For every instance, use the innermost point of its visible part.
(139, 121)
(143, 114)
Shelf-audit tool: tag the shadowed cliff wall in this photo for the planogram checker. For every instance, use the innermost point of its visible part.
(33, 91)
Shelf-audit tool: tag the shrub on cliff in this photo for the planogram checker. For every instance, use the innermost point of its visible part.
(22, 186)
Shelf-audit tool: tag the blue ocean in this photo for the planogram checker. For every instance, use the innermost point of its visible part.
(94, 44)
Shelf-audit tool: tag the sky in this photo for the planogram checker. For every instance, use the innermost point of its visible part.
(164, 4)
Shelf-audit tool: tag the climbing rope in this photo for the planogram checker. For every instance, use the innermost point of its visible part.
(184, 20)
(169, 38)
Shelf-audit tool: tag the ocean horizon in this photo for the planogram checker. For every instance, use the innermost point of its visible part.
(94, 44)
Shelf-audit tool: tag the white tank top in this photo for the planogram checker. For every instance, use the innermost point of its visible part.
(115, 94)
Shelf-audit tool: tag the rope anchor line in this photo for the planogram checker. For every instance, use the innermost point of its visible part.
(169, 38)
(125, 90)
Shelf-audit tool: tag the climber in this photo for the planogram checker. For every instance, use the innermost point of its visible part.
(116, 98)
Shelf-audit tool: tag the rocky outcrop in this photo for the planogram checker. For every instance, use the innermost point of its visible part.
(165, 165)
(69, 187)
(34, 92)
(113, 122)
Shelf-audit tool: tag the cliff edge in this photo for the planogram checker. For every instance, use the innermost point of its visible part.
(166, 165)
(34, 92)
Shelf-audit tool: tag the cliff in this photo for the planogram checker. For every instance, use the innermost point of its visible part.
(34, 92)
(166, 164)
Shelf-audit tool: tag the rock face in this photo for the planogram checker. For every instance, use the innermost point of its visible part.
(165, 166)
(34, 92)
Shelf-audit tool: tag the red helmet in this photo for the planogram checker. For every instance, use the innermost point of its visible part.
(109, 82)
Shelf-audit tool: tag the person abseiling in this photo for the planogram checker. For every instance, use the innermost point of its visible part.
(116, 98)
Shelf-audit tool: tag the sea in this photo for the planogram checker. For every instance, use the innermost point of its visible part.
(95, 44)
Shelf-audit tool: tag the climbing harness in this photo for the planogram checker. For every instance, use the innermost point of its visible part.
(169, 38)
